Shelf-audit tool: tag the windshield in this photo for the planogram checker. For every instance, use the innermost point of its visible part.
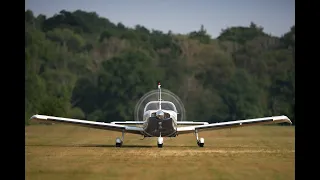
(164, 105)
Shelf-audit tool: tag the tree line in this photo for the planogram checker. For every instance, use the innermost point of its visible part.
(81, 65)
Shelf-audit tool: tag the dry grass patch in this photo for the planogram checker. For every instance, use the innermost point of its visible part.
(68, 152)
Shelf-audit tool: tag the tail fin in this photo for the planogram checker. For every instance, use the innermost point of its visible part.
(159, 94)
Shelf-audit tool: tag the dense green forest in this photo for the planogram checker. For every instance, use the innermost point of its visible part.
(80, 65)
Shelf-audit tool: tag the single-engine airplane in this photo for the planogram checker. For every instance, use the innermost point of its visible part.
(160, 120)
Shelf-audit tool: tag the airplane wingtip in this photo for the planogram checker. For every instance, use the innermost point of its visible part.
(288, 120)
(33, 116)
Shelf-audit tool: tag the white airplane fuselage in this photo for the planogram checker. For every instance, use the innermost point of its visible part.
(160, 118)
(155, 127)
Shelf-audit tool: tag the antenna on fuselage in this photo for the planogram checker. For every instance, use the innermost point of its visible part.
(159, 94)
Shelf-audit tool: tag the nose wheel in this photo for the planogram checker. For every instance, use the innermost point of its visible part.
(160, 141)
(119, 141)
(200, 141)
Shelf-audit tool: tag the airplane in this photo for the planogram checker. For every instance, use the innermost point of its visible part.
(160, 119)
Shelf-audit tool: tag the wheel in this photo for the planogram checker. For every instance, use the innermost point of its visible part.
(200, 142)
(160, 142)
(118, 142)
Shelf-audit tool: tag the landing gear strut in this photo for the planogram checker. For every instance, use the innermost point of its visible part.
(119, 140)
(160, 141)
(200, 141)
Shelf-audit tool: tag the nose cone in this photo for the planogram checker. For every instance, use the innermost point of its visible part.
(160, 114)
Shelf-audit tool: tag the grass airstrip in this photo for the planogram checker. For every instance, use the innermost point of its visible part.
(69, 152)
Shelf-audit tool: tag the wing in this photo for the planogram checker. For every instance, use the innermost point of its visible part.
(190, 123)
(131, 123)
(85, 123)
(233, 124)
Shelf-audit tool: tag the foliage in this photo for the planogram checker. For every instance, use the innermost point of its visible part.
(83, 66)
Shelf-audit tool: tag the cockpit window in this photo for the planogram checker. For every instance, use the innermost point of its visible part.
(167, 106)
(164, 106)
(153, 106)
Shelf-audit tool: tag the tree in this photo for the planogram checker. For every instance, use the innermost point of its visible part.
(81, 65)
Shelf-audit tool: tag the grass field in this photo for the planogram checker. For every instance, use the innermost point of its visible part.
(249, 153)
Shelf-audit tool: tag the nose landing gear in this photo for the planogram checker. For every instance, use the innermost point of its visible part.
(160, 141)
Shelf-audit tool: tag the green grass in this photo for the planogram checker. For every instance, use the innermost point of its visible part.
(69, 152)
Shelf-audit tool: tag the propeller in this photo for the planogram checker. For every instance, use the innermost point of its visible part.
(153, 95)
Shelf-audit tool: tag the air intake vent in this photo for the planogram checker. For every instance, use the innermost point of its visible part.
(166, 115)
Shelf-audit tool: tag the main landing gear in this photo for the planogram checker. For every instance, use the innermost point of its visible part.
(160, 141)
(200, 141)
(119, 140)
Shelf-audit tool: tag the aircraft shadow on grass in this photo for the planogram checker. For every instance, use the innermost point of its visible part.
(89, 145)
(102, 145)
